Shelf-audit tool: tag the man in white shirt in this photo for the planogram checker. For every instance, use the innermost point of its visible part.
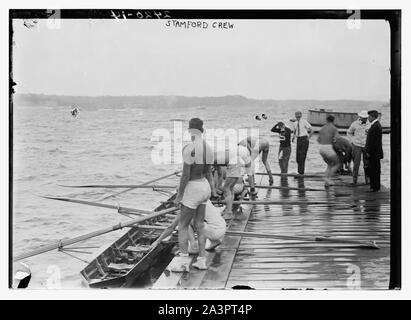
(303, 132)
(357, 133)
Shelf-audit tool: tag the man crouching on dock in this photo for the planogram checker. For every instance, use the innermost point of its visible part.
(327, 136)
(194, 191)
(214, 230)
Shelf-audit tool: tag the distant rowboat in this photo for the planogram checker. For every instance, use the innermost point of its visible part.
(343, 120)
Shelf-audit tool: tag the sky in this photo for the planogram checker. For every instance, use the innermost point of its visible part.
(262, 59)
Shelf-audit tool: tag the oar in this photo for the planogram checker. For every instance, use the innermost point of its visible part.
(119, 186)
(101, 205)
(144, 184)
(292, 175)
(283, 202)
(287, 188)
(366, 244)
(62, 243)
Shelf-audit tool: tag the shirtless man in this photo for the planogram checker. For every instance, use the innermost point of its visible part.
(195, 189)
(327, 136)
(343, 148)
(214, 229)
(256, 146)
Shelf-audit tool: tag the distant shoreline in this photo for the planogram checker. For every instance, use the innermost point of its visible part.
(34, 100)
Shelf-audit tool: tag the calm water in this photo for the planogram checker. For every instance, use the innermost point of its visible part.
(107, 145)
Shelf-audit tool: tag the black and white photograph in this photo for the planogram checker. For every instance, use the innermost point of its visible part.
(198, 149)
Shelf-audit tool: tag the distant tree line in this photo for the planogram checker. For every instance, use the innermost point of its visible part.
(176, 101)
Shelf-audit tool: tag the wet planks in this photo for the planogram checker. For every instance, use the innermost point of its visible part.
(219, 262)
(293, 264)
(290, 264)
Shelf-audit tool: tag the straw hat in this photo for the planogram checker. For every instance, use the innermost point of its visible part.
(363, 114)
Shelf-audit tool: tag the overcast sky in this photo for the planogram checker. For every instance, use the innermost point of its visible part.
(279, 59)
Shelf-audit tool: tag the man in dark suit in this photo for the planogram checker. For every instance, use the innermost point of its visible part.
(373, 149)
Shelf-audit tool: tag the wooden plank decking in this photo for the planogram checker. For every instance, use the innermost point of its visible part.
(220, 262)
(290, 264)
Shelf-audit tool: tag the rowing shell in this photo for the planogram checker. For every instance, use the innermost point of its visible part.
(130, 257)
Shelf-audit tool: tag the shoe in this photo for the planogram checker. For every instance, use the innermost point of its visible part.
(373, 190)
(180, 263)
(193, 249)
(200, 263)
(227, 215)
(239, 216)
(238, 210)
(212, 244)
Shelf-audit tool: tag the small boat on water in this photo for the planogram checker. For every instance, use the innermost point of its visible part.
(75, 112)
(131, 256)
(343, 120)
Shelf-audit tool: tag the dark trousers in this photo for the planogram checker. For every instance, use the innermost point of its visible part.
(302, 148)
(374, 170)
(283, 158)
(357, 152)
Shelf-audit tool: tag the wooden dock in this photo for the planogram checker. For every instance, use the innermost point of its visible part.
(257, 263)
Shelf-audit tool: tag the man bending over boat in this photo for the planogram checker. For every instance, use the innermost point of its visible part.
(256, 146)
(343, 148)
(327, 136)
(239, 190)
(237, 162)
(195, 189)
(214, 230)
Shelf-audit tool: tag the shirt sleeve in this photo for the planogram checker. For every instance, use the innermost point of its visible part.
(294, 127)
(307, 125)
(351, 130)
(288, 135)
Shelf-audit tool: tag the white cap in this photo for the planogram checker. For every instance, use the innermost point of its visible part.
(20, 275)
(363, 114)
(22, 271)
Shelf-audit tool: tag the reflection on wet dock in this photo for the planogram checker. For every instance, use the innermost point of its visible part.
(351, 213)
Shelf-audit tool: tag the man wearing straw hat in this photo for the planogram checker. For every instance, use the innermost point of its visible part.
(357, 133)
